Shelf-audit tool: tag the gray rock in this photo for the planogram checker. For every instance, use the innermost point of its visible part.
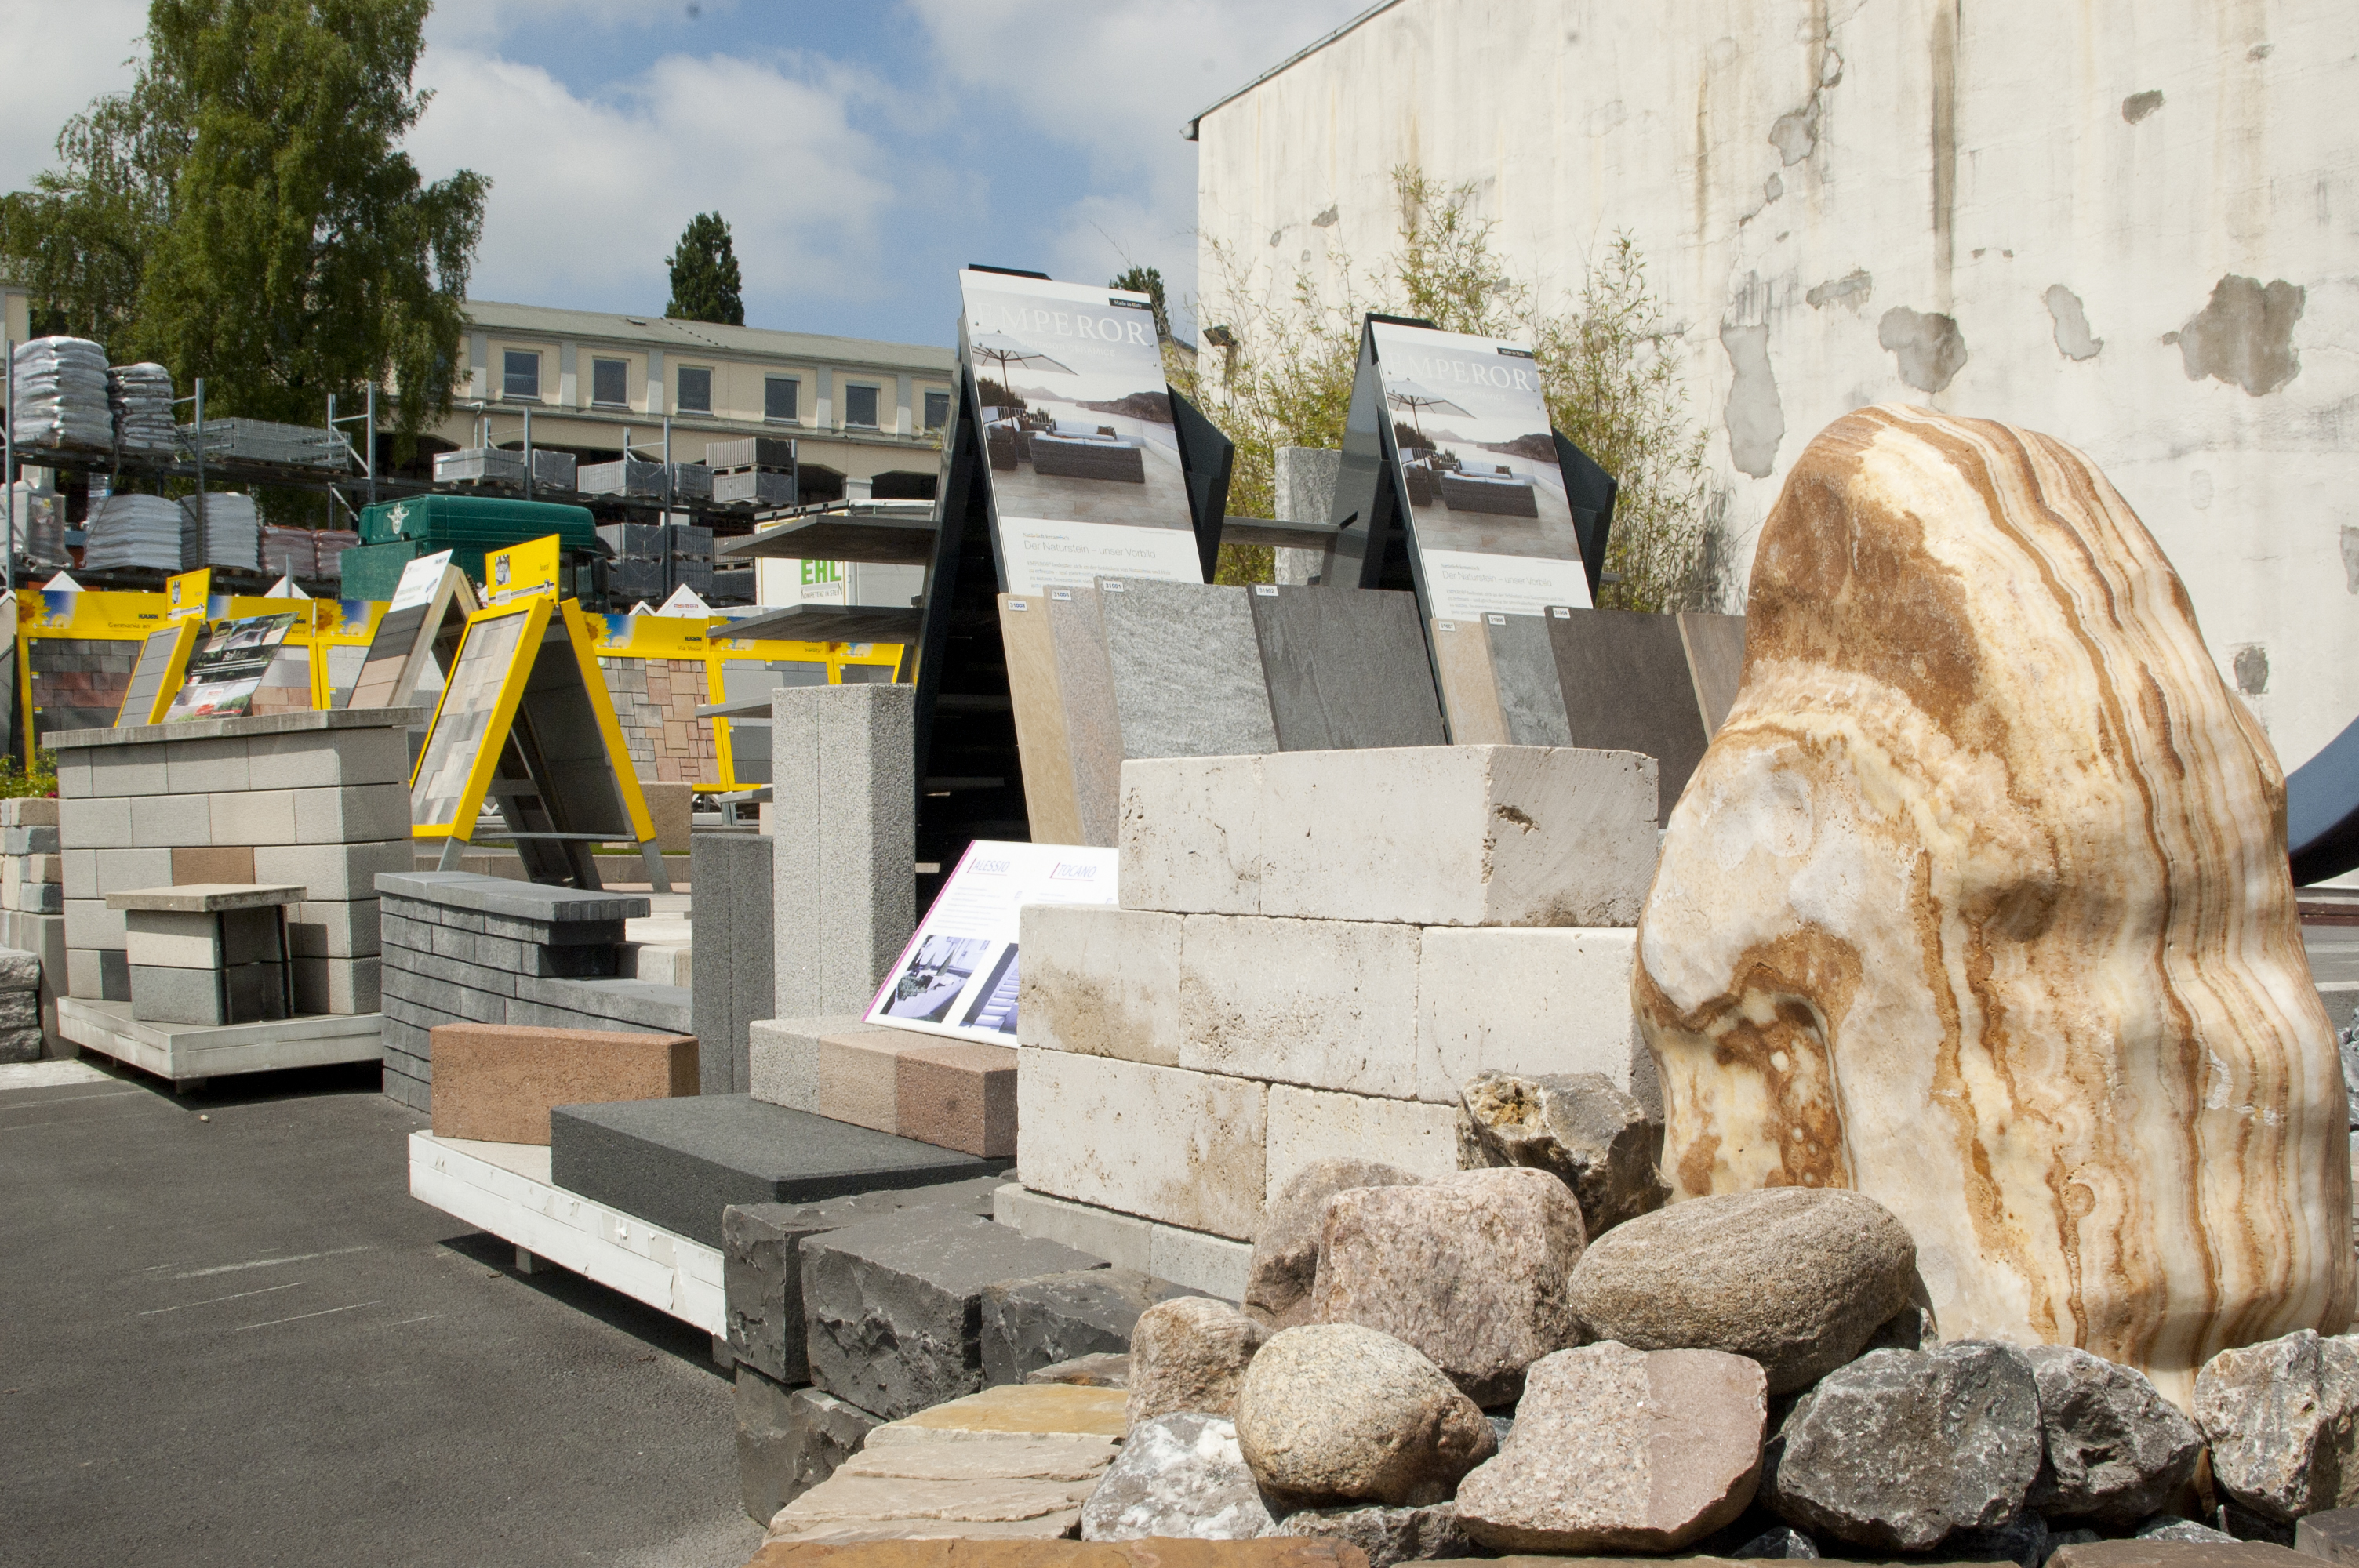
(19, 970)
(2245, 1525)
(1902, 1448)
(1577, 1127)
(1387, 1535)
(2349, 1048)
(2117, 1450)
(2170, 1527)
(1103, 1370)
(790, 1439)
(1470, 1268)
(2283, 1421)
(1779, 1541)
(1189, 1353)
(1796, 1278)
(1286, 1243)
(2332, 1534)
(1030, 1324)
(1334, 1412)
(1178, 1476)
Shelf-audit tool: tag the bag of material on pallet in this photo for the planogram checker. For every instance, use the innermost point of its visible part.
(232, 530)
(61, 394)
(140, 397)
(138, 530)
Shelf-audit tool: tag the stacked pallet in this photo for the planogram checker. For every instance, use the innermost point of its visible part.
(642, 479)
(230, 536)
(138, 530)
(287, 552)
(139, 399)
(757, 471)
(651, 559)
(61, 394)
(330, 545)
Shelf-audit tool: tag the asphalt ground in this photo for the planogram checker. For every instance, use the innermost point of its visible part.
(228, 1335)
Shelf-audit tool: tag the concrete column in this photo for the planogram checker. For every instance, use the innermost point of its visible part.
(843, 831)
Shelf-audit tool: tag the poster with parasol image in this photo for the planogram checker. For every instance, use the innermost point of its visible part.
(228, 668)
(1076, 433)
(1483, 497)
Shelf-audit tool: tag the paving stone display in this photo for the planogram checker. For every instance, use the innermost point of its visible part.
(735, 983)
(1046, 749)
(790, 1439)
(844, 829)
(1058, 1318)
(1523, 669)
(498, 1082)
(1628, 687)
(1470, 691)
(680, 1162)
(912, 1282)
(1093, 724)
(1186, 669)
(1344, 668)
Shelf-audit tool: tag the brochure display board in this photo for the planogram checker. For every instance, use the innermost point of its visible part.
(521, 570)
(958, 975)
(525, 723)
(156, 678)
(429, 611)
(188, 593)
(230, 666)
(1075, 427)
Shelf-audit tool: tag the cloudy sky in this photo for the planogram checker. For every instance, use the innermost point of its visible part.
(861, 153)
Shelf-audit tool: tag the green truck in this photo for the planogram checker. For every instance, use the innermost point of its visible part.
(395, 533)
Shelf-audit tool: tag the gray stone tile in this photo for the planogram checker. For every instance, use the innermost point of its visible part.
(1346, 667)
(1628, 688)
(1524, 667)
(751, 937)
(1187, 670)
(1093, 724)
(712, 868)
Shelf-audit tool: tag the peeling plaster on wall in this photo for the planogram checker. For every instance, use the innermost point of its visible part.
(2350, 559)
(2252, 666)
(1929, 346)
(1852, 289)
(1754, 419)
(2244, 335)
(1944, 139)
(2139, 106)
(1772, 188)
(2072, 339)
(1326, 220)
(1795, 133)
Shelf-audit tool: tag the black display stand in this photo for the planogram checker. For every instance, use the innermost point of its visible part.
(1207, 460)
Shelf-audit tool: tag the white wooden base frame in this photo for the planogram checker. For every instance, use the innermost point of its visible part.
(186, 1053)
(503, 1188)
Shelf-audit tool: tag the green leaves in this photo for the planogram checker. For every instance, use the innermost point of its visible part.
(705, 285)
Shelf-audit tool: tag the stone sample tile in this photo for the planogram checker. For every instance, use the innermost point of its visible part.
(783, 1056)
(1310, 1125)
(1186, 669)
(1180, 1147)
(1051, 800)
(1531, 698)
(1100, 982)
(1346, 667)
(498, 1083)
(1529, 1001)
(1333, 1411)
(1191, 837)
(790, 1439)
(958, 1094)
(859, 1075)
(913, 1280)
(1931, 771)
(1324, 1003)
(679, 1163)
(1628, 687)
(1715, 650)
(1618, 1450)
(1040, 1322)
(1093, 724)
(1424, 836)
(843, 834)
(1470, 691)
(1179, 1477)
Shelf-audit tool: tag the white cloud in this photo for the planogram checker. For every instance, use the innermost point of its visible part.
(62, 55)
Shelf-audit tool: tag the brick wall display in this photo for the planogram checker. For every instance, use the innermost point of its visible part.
(32, 901)
(655, 702)
(79, 682)
(319, 800)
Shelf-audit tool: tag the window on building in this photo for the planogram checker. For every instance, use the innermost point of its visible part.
(610, 383)
(937, 410)
(779, 395)
(695, 390)
(860, 406)
(520, 374)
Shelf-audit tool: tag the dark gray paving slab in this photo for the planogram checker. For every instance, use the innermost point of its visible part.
(504, 896)
(1187, 670)
(748, 929)
(679, 1163)
(1715, 647)
(1627, 688)
(1346, 667)
(1523, 664)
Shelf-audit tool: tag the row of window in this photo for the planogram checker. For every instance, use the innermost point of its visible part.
(610, 387)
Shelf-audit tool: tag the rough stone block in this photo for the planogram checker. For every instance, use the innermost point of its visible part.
(1036, 1322)
(1525, 1001)
(96, 823)
(913, 1280)
(783, 1055)
(206, 767)
(1427, 835)
(163, 821)
(679, 1163)
(1161, 1142)
(958, 1095)
(1122, 1239)
(350, 814)
(1311, 1124)
(210, 863)
(253, 816)
(1328, 1003)
(498, 1083)
(1100, 980)
(340, 986)
(790, 1439)
(332, 872)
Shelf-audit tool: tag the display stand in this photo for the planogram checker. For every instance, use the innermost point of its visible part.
(525, 723)
(424, 623)
(163, 662)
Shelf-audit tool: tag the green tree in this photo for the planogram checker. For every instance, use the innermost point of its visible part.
(1148, 281)
(246, 212)
(705, 284)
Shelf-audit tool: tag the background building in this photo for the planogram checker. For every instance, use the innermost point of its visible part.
(2126, 225)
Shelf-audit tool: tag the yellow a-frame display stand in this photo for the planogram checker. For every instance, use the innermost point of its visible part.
(524, 722)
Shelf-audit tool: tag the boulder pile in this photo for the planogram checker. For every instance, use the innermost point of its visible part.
(1452, 1367)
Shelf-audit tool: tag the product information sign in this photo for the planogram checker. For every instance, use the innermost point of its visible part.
(1489, 524)
(228, 668)
(428, 599)
(520, 570)
(188, 594)
(1076, 433)
(957, 975)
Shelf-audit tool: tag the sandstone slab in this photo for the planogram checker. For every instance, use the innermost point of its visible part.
(1102, 1369)
(2118, 1452)
(1020, 1483)
(1578, 1128)
(1902, 1449)
(1041, 1411)
(1189, 1353)
(976, 1548)
(1471, 1269)
(1622, 1450)
(2001, 862)
(1336, 1411)
(1286, 1243)
(2166, 1554)
(1795, 1279)
(2283, 1421)
(1180, 1475)
(498, 1083)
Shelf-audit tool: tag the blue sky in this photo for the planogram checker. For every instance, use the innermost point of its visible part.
(862, 153)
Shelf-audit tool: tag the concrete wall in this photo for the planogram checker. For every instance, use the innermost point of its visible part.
(2127, 224)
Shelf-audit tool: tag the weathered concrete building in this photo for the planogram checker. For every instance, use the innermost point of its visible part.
(2128, 224)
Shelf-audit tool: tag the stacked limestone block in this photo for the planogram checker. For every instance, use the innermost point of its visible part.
(1313, 951)
(32, 900)
(318, 801)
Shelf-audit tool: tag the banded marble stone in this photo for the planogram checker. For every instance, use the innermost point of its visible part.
(1979, 904)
